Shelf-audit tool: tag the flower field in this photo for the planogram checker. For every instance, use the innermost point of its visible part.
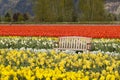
(27, 53)
(94, 31)
(33, 58)
(29, 65)
(106, 45)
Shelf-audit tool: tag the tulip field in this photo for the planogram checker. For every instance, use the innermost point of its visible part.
(27, 53)
(94, 31)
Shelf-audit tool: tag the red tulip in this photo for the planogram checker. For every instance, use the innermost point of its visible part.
(94, 31)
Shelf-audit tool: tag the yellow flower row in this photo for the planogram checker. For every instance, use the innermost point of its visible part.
(106, 40)
(33, 38)
(28, 65)
(37, 73)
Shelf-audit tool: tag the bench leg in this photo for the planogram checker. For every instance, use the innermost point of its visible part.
(78, 52)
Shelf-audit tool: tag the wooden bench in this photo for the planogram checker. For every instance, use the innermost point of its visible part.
(74, 43)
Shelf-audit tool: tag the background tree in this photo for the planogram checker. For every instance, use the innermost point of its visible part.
(93, 10)
(20, 17)
(7, 17)
(76, 10)
(38, 9)
(53, 10)
(69, 10)
(117, 17)
(111, 17)
(0, 18)
(15, 17)
(25, 16)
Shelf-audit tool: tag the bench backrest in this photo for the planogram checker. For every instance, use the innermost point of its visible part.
(74, 43)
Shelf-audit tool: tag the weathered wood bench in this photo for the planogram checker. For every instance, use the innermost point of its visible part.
(74, 43)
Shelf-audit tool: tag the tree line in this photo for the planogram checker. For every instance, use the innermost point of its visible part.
(16, 17)
(63, 11)
(71, 11)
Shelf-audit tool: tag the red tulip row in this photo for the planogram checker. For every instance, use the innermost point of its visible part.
(94, 31)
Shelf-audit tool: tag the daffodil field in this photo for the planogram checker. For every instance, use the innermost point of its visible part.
(52, 65)
(34, 58)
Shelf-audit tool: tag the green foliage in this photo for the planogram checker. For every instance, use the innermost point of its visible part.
(65, 11)
(7, 17)
(118, 17)
(53, 10)
(20, 17)
(92, 10)
(26, 16)
(0, 18)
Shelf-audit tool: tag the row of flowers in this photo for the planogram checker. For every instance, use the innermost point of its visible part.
(30, 65)
(94, 31)
(111, 45)
(27, 42)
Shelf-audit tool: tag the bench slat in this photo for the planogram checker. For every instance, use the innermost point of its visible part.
(74, 43)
